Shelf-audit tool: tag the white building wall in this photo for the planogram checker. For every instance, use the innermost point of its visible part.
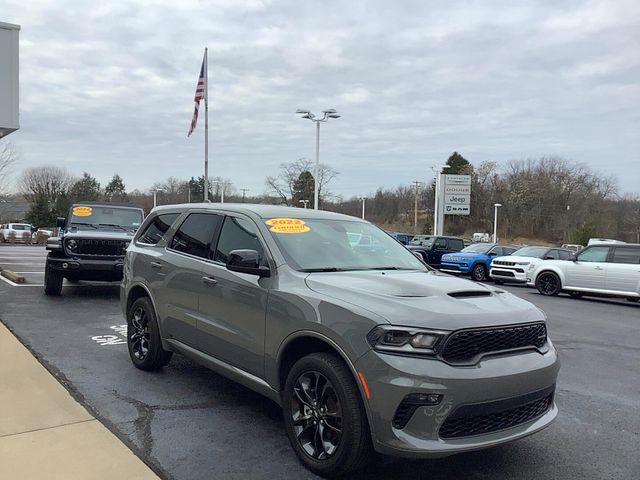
(9, 120)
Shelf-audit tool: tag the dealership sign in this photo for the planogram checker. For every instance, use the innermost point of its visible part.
(457, 194)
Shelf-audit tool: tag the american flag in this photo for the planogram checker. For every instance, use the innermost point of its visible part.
(200, 94)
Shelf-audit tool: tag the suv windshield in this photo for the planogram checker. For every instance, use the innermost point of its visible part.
(98, 216)
(530, 252)
(20, 226)
(423, 241)
(330, 245)
(478, 248)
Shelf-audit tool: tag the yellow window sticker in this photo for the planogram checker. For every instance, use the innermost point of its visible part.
(287, 225)
(82, 211)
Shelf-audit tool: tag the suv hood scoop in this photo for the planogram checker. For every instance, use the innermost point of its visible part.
(426, 299)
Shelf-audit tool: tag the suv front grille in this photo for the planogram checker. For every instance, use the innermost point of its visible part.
(99, 248)
(465, 346)
(504, 262)
(483, 418)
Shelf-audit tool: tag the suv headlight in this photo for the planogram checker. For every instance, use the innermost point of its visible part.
(405, 340)
(72, 245)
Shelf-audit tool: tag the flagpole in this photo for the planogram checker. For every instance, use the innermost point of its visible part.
(206, 127)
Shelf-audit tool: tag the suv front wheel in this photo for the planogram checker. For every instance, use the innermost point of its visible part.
(143, 337)
(548, 283)
(52, 281)
(324, 416)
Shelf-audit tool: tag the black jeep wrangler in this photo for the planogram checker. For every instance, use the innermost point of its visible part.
(91, 245)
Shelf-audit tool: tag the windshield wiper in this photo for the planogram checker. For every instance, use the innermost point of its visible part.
(325, 269)
(84, 224)
(390, 268)
(113, 225)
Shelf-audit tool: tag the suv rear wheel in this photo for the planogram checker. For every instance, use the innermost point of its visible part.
(324, 416)
(52, 281)
(143, 337)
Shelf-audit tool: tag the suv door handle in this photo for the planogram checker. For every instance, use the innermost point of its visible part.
(599, 268)
(156, 265)
(209, 280)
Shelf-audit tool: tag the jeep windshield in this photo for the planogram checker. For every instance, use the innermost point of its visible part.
(96, 217)
(530, 252)
(478, 248)
(313, 245)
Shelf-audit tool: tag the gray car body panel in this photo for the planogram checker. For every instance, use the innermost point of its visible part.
(339, 309)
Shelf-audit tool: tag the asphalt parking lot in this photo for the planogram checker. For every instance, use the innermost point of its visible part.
(188, 422)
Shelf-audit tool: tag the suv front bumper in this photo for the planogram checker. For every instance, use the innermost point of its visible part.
(88, 268)
(494, 381)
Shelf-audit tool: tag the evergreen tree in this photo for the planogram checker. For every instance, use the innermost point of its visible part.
(115, 190)
(303, 189)
(458, 165)
(86, 189)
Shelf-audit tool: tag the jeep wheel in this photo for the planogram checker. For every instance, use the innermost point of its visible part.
(324, 416)
(143, 337)
(548, 284)
(479, 273)
(52, 281)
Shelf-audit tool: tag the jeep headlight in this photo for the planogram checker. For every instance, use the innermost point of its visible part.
(72, 245)
(522, 263)
(405, 340)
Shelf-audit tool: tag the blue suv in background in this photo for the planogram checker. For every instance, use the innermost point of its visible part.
(475, 260)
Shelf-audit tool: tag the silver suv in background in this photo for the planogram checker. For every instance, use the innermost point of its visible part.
(363, 346)
(601, 269)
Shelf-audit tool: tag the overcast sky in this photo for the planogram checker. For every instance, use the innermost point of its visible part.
(109, 88)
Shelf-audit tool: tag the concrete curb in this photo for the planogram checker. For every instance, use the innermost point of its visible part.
(14, 277)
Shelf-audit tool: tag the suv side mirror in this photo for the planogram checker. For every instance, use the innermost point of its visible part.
(247, 261)
(493, 254)
(60, 222)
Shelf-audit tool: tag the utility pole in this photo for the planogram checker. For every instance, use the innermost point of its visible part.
(244, 193)
(417, 184)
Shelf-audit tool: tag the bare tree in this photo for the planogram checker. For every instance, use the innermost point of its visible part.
(8, 157)
(48, 182)
(283, 185)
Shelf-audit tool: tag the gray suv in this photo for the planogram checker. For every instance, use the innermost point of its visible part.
(364, 347)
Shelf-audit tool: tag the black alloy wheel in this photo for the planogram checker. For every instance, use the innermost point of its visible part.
(139, 335)
(324, 416)
(143, 337)
(479, 273)
(548, 284)
(316, 415)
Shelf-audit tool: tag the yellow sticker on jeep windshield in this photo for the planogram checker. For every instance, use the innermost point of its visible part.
(287, 225)
(82, 211)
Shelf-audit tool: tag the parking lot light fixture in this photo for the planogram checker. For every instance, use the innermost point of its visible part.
(363, 200)
(155, 191)
(495, 222)
(326, 115)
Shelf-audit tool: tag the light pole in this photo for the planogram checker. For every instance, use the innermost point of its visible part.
(327, 114)
(363, 200)
(221, 189)
(437, 221)
(155, 191)
(495, 222)
(305, 202)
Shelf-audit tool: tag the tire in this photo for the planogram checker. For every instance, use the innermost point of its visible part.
(633, 299)
(548, 284)
(338, 452)
(479, 273)
(143, 337)
(52, 281)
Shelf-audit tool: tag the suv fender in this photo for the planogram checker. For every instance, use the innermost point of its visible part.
(331, 347)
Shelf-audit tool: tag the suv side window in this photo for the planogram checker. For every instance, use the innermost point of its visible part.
(196, 234)
(594, 254)
(157, 228)
(440, 244)
(552, 254)
(626, 255)
(456, 244)
(237, 233)
(497, 251)
(564, 255)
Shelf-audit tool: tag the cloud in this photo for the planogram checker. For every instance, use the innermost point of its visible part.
(110, 88)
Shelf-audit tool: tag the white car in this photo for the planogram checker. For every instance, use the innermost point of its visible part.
(602, 269)
(15, 232)
(513, 268)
